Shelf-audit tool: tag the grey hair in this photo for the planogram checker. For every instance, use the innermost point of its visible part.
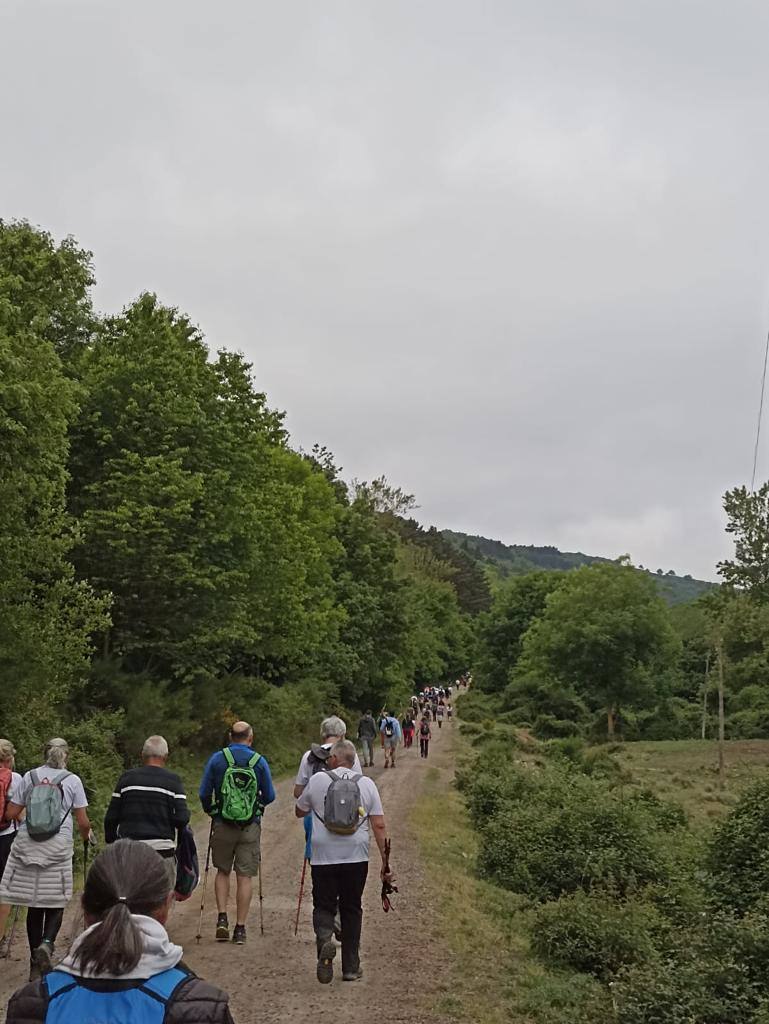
(155, 746)
(344, 751)
(332, 726)
(7, 752)
(56, 752)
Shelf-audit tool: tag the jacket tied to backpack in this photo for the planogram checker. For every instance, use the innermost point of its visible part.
(38, 874)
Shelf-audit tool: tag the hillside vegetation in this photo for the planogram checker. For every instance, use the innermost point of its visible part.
(501, 561)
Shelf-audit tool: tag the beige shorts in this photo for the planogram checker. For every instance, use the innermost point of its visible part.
(232, 846)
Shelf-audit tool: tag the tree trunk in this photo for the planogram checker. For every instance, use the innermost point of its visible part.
(721, 729)
(705, 697)
(610, 722)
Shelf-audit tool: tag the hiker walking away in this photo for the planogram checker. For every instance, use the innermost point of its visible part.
(346, 808)
(235, 789)
(450, 712)
(332, 729)
(425, 735)
(391, 737)
(9, 783)
(149, 804)
(407, 727)
(123, 968)
(367, 732)
(38, 874)
(441, 714)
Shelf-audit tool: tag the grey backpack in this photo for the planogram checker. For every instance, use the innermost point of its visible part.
(342, 810)
(44, 806)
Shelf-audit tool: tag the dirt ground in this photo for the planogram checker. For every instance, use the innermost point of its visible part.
(271, 979)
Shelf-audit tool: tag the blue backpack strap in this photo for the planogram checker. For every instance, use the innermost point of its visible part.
(162, 986)
(57, 982)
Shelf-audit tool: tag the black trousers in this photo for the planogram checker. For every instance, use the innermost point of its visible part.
(342, 885)
(423, 745)
(43, 923)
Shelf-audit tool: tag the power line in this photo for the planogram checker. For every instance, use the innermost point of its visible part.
(760, 417)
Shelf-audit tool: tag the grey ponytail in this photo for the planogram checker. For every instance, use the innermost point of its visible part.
(127, 878)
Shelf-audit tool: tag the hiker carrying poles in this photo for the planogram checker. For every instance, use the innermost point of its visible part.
(199, 936)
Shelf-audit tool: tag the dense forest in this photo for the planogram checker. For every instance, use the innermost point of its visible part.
(169, 560)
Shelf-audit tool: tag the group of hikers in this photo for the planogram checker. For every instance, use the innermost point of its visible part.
(132, 884)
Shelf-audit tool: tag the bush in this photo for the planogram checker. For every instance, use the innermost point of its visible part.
(560, 832)
(739, 854)
(595, 932)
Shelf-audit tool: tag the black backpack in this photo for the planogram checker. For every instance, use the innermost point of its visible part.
(389, 729)
(317, 759)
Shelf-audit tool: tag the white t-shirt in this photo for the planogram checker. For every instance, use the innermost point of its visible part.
(10, 797)
(304, 774)
(73, 794)
(328, 847)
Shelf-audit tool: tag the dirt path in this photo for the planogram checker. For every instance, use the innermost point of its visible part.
(271, 979)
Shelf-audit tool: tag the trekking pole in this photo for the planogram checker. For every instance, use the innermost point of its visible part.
(261, 902)
(11, 933)
(301, 893)
(205, 883)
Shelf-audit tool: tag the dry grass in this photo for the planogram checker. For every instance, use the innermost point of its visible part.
(686, 771)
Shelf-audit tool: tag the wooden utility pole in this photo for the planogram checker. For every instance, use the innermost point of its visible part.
(721, 762)
(705, 686)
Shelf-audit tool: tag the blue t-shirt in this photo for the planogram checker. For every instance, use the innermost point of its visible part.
(211, 786)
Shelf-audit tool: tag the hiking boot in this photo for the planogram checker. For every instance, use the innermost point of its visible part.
(222, 928)
(239, 934)
(42, 958)
(353, 975)
(325, 969)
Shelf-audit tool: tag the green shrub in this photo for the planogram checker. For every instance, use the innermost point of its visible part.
(595, 932)
(557, 832)
(739, 853)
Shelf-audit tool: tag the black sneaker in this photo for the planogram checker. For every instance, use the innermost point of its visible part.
(222, 928)
(325, 968)
(42, 958)
(239, 934)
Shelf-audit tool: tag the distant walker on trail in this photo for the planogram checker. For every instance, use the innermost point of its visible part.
(235, 789)
(367, 733)
(390, 729)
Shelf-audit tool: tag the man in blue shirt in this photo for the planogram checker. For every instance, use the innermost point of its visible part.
(390, 728)
(235, 844)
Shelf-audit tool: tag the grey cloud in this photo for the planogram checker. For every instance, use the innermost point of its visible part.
(513, 255)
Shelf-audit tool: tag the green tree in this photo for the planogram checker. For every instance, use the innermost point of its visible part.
(517, 604)
(747, 515)
(607, 635)
(46, 616)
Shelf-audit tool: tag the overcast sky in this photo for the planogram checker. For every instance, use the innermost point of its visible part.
(515, 256)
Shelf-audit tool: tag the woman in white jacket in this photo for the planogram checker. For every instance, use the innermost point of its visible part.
(38, 874)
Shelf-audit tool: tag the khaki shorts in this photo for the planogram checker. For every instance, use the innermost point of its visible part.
(232, 846)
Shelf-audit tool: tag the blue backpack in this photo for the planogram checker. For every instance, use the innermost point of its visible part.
(70, 1001)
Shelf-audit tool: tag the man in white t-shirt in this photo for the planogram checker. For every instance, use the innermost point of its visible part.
(340, 863)
(331, 730)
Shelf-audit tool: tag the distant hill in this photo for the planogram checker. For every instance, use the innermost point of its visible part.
(515, 559)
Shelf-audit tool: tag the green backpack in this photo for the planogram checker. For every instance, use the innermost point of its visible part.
(239, 800)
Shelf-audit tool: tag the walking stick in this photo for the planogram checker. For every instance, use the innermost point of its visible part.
(205, 883)
(301, 893)
(11, 933)
(261, 902)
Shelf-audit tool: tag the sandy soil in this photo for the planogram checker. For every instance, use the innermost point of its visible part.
(271, 978)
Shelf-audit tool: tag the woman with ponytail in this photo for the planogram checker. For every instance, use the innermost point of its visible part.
(123, 968)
